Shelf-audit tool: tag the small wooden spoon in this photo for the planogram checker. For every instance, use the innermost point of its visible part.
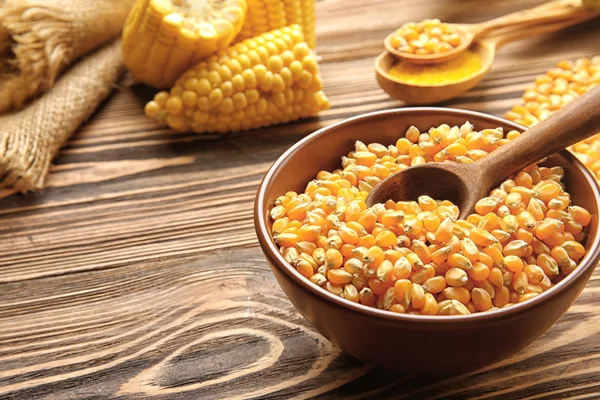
(465, 184)
(554, 11)
(417, 93)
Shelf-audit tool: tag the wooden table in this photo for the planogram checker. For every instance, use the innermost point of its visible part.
(137, 273)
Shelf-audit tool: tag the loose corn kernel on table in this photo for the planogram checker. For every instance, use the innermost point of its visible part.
(137, 273)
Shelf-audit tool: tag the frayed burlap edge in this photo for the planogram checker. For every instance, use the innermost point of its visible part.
(30, 139)
(44, 37)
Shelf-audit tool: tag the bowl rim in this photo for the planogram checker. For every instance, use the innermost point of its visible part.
(269, 248)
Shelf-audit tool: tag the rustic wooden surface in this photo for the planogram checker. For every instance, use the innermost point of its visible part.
(137, 273)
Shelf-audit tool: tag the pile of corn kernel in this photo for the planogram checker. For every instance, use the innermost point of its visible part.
(429, 36)
(417, 257)
(553, 90)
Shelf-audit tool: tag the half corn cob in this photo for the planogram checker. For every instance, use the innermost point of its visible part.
(266, 15)
(269, 79)
(163, 38)
(555, 89)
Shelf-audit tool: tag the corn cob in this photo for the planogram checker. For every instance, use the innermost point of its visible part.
(269, 79)
(163, 38)
(553, 90)
(266, 15)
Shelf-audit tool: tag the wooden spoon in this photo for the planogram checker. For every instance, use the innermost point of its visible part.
(486, 48)
(465, 184)
(554, 11)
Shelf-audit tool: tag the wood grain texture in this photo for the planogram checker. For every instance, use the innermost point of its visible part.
(137, 274)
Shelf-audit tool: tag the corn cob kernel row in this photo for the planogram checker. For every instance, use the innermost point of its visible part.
(266, 15)
(270, 79)
(162, 38)
(552, 91)
(416, 257)
(429, 36)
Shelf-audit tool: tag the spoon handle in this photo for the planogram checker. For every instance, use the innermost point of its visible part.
(549, 12)
(577, 121)
(509, 35)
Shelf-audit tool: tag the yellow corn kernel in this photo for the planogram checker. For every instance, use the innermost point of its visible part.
(412, 225)
(391, 219)
(430, 306)
(423, 274)
(574, 249)
(385, 239)
(318, 279)
(348, 235)
(515, 248)
(495, 255)
(502, 297)
(481, 237)
(519, 283)
(435, 284)
(385, 272)
(444, 231)
(333, 259)
(290, 254)
(486, 205)
(366, 297)
(368, 219)
(286, 239)
(350, 293)
(334, 288)
(481, 299)
(546, 191)
(488, 222)
(353, 266)
(365, 158)
(377, 286)
(548, 264)
(561, 256)
(306, 247)
(479, 272)
(526, 220)
(580, 215)
(513, 263)
(547, 227)
(457, 260)
(366, 241)
(334, 242)
(501, 235)
(309, 232)
(509, 223)
(456, 277)
(374, 256)
(496, 277)
(458, 308)
(403, 292)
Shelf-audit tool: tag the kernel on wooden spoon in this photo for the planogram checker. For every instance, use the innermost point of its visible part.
(465, 184)
(434, 42)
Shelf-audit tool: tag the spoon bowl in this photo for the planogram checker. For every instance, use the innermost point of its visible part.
(466, 40)
(432, 93)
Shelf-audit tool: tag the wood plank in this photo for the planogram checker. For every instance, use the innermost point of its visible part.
(137, 274)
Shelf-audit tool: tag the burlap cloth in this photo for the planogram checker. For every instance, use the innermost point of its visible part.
(38, 40)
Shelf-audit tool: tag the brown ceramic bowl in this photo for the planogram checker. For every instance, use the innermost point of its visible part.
(412, 343)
